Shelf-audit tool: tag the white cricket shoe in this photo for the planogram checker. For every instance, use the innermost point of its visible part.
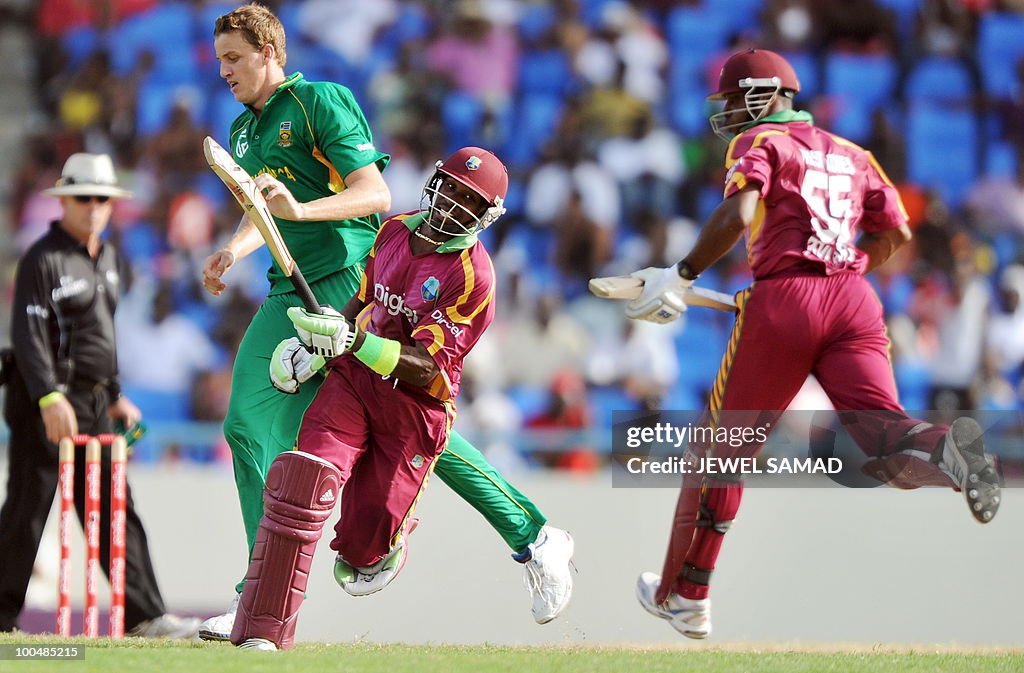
(548, 572)
(965, 461)
(366, 580)
(166, 626)
(690, 617)
(219, 627)
(260, 644)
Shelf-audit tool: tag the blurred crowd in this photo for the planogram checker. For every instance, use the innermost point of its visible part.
(598, 108)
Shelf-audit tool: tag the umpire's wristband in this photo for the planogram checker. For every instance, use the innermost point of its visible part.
(379, 354)
(50, 399)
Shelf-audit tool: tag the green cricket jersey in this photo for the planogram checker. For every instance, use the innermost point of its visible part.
(310, 136)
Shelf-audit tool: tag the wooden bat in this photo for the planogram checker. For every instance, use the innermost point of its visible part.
(627, 287)
(243, 187)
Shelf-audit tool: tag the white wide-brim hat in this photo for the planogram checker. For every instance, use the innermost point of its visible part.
(88, 175)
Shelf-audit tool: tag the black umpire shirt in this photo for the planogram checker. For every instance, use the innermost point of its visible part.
(62, 327)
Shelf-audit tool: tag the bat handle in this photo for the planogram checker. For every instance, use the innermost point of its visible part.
(305, 294)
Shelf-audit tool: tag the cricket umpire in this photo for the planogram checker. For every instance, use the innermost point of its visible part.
(64, 381)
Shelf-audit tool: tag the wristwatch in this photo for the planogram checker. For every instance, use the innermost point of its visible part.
(685, 272)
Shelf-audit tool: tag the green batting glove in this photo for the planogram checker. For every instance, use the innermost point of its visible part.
(330, 335)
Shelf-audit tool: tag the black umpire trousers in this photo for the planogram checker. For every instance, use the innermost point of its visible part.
(31, 485)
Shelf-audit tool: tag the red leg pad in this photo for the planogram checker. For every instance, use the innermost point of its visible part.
(298, 499)
(721, 501)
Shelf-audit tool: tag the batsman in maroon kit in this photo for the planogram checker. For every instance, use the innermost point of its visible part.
(372, 433)
(817, 213)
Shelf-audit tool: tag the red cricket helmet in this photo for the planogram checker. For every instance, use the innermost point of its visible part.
(479, 170)
(482, 172)
(760, 75)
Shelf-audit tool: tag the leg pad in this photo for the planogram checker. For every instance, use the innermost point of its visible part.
(299, 497)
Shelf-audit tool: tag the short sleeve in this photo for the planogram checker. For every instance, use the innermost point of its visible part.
(883, 207)
(753, 166)
(342, 132)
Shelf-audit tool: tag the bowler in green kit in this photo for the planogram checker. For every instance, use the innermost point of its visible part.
(312, 154)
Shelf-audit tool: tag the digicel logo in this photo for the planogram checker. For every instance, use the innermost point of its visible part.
(394, 303)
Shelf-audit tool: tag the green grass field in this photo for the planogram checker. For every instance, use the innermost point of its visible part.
(144, 656)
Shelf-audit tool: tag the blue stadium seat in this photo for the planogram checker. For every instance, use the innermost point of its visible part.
(942, 148)
(157, 405)
(913, 380)
(207, 16)
(1007, 248)
(221, 110)
(288, 15)
(592, 11)
(536, 19)
(606, 399)
(1000, 159)
(154, 105)
(860, 84)
(736, 15)
(545, 72)
(166, 31)
(696, 31)
(1000, 48)
(807, 71)
(688, 110)
(694, 35)
(462, 115)
(530, 400)
(536, 119)
(79, 43)
(140, 243)
(940, 80)
(905, 11)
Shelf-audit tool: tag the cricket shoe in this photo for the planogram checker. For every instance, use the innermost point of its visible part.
(166, 626)
(548, 572)
(259, 644)
(690, 617)
(219, 627)
(363, 581)
(965, 461)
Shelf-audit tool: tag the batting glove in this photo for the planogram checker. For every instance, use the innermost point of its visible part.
(305, 335)
(662, 298)
(329, 335)
(292, 365)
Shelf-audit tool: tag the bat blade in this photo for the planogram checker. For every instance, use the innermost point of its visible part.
(243, 188)
(627, 287)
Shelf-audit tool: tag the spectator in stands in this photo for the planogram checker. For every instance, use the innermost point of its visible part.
(961, 320)
(582, 246)
(1006, 324)
(479, 58)
(184, 348)
(648, 164)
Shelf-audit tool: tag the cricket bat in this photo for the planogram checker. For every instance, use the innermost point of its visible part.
(627, 287)
(243, 187)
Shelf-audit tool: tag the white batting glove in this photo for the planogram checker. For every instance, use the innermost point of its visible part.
(662, 298)
(292, 365)
(305, 336)
(329, 335)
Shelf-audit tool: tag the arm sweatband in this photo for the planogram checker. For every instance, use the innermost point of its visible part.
(379, 354)
(49, 399)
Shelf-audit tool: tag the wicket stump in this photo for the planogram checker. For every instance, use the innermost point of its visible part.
(118, 503)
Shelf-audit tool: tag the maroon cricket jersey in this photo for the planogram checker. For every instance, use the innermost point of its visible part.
(443, 300)
(818, 192)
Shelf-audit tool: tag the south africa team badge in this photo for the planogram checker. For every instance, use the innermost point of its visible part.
(431, 288)
(284, 135)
